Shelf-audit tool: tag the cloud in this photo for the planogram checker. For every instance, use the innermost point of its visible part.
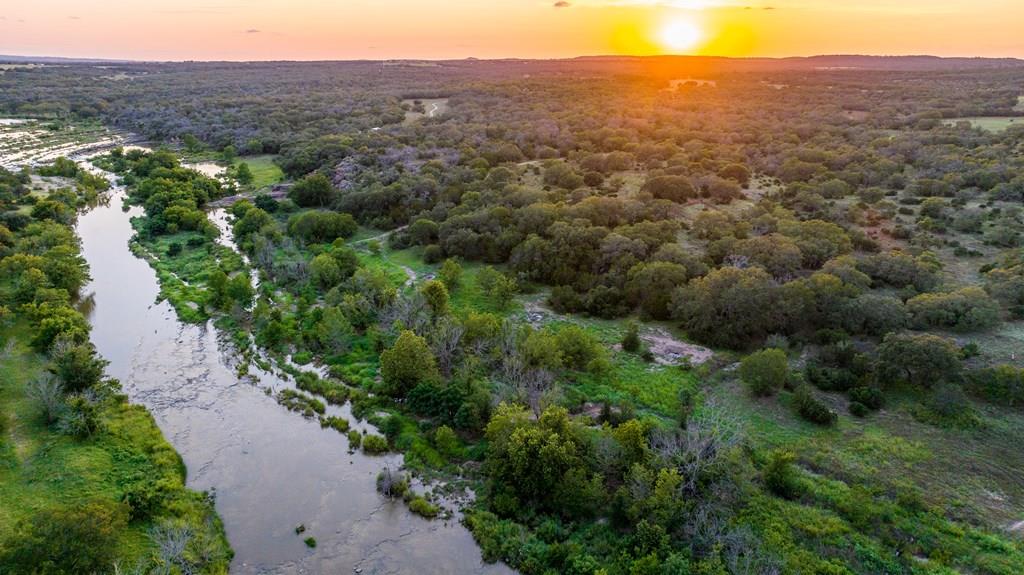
(74, 17)
(252, 31)
(562, 4)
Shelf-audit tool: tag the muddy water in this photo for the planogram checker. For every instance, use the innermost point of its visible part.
(271, 469)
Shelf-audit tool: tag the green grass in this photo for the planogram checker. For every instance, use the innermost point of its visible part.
(968, 473)
(183, 276)
(650, 387)
(40, 468)
(265, 172)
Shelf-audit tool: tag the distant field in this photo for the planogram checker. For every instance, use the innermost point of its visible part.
(990, 123)
(431, 108)
(265, 172)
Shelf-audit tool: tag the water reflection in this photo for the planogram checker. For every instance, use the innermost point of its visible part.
(271, 469)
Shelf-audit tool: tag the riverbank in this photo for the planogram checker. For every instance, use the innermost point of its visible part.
(87, 481)
(273, 470)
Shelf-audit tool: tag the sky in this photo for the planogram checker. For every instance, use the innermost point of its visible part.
(416, 29)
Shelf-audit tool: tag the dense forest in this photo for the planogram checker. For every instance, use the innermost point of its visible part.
(491, 259)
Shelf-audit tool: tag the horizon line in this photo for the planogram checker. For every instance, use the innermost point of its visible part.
(88, 59)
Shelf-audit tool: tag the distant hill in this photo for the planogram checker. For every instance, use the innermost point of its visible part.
(692, 64)
(896, 63)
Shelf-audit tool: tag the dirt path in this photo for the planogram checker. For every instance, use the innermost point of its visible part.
(379, 237)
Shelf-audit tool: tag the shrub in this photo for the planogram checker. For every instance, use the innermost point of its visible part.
(375, 444)
(310, 542)
(1000, 384)
(145, 497)
(450, 273)
(808, 407)
(433, 254)
(355, 439)
(631, 341)
(391, 484)
(313, 191)
(869, 397)
(779, 475)
(339, 424)
(80, 417)
(446, 442)
(420, 506)
(918, 359)
(49, 394)
(765, 371)
(968, 309)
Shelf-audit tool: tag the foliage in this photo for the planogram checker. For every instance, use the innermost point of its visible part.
(765, 371)
(407, 363)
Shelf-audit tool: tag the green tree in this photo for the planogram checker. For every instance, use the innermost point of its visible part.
(650, 286)
(436, 296)
(243, 174)
(919, 359)
(450, 273)
(76, 365)
(324, 271)
(334, 332)
(239, 289)
(313, 191)
(730, 307)
(765, 371)
(192, 144)
(406, 364)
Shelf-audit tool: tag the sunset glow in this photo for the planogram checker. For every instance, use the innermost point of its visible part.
(680, 35)
(381, 29)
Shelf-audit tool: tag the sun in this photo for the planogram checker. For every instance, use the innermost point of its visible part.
(680, 35)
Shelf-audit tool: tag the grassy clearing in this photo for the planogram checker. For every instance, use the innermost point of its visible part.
(988, 123)
(40, 468)
(969, 474)
(265, 172)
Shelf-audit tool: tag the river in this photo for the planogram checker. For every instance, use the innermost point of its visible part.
(271, 469)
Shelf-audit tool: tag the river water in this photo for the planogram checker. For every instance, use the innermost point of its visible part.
(271, 469)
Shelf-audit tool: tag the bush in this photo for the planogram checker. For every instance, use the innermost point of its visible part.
(869, 397)
(433, 254)
(313, 191)
(375, 444)
(949, 401)
(80, 417)
(765, 371)
(859, 409)
(631, 341)
(392, 484)
(424, 508)
(1000, 384)
(355, 439)
(809, 408)
(779, 475)
(339, 424)
(446, 442)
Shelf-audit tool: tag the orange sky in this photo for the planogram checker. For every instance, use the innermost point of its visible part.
(377, 29)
